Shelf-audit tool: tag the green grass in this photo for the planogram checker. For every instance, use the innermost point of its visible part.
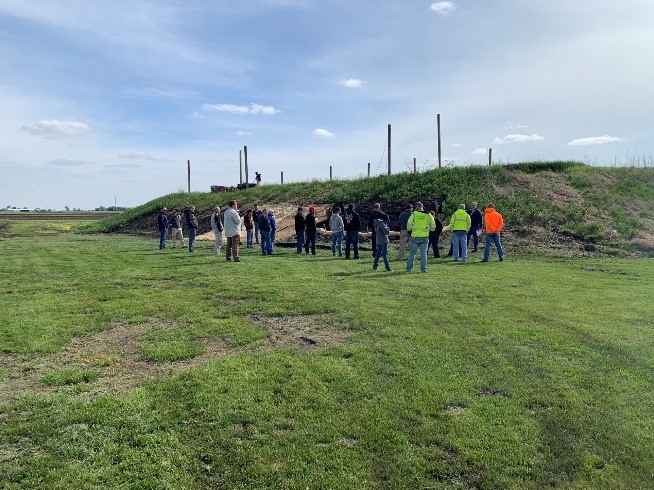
(532, 373)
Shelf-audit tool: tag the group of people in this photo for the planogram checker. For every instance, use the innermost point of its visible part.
(419, 230)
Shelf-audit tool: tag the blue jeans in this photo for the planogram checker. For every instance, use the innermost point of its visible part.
(191, 238)
(352, 238)
(256, 231)
(272, 240)
(248, 239)
(337, 242)
(459, 239)
(493, 238)
(300, 240)
(163, 234)
(266, 246)
(382, 251)
(310, 243)
(423, 244)
(475, 239)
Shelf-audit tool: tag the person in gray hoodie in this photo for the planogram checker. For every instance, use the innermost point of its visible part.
(232, 231)
(381, 240)
(336, 226)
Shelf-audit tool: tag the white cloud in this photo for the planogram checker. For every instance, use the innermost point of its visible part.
(443, 8)
(456, 145)
(241, 109)
(323, 133)
(242, 133)
(480, 151)
(141, 155)
(197, 115)
(352, 83)
(57, 129)
(596, 140)
(519, 126)
(517, 138)
(65, 162)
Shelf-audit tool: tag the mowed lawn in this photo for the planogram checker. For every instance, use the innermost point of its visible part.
(125, 367)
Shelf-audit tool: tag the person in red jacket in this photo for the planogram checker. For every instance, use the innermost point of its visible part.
(494, 225)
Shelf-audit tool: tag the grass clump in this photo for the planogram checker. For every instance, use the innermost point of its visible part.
(169, 351)
(70, 377)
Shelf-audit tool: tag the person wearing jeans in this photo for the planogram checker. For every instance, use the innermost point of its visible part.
(336, 226)
(192, 225)
(249, 228)
(264, 230)
(255, 216)
(352, 225)
(460, 223)
(381, 241)
(494, 225)
(404, 234)
(162, 224)
(419, 225)
(311, 231)
(475, 225)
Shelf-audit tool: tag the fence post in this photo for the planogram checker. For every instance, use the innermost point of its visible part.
(389, 149)
(245, 155)
(188, 162)
(414, 165)
(438, 123)
(240, 167)
(368, 169)
(490, 156)
(282, 177)
(330, 172)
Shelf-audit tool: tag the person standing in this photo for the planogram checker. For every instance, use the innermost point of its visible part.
(494, 225)
(299, 229)
(162, 225)
(475, 226)
(232, 231)
(337, 228)
(381, 230)
(257, 178)
(404, 234)
(376, 213)
(459, 226)
(352, 225)
(249, 228)
(419, 225)
(435, 235)
(273, 228)
(255, 217)
(311, 230)
(264, 230)
(191, 225)
(176, 227)
(217, 228)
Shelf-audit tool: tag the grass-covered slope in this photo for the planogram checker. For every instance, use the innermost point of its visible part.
(564, 207)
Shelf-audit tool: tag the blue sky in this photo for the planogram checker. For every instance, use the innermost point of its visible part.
(105, 100)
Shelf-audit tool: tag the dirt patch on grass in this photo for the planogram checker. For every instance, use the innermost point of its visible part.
(454, 410)
(644, 242)
(548, 185)
(117, 355)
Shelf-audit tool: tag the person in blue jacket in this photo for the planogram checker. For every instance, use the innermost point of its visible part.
(162, 225)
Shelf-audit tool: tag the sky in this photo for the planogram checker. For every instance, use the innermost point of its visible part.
(103, 102)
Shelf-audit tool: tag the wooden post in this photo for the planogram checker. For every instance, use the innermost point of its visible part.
(245, 156)
(282, 177)
(389, 149)
(368, 169)
(330, 172)
(188, 162)
(438, 123)
(490, 156)
(414, 165)
(240, 166)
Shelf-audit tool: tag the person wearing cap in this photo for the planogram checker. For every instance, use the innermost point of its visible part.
(162, 225)
(404, 234)
(256, 212)
(232, 231)
(273, 228)
(191, 226)
(381, 230)
(176, 227)
(375, 214)
(352, 225)
(460, 223)
(299, 229)
(475, 226)
(494, 225)
(249, 228)
(264, 230)
(419, 225)
(217, 228)
(311, 231)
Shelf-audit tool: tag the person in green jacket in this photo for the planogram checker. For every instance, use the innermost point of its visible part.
(419, 225)
(460, 223)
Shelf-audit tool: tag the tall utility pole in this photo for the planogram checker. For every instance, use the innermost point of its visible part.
(245, 156)
(188, 162)
(368, 169)
(414, 165)
(438, 123)
(389, 149)
(240, 166)
(490, 156)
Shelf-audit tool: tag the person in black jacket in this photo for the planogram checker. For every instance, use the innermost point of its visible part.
(256, 212)
(434, 236)
(352, 226)
(299, 229)
(376, 213)
(476, 220)
(162, 225)
(311, 231)
(192, 225)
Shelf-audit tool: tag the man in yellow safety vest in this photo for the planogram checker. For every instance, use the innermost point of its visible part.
(419, 225)
(460, 223)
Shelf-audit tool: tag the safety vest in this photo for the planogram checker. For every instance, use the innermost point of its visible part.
(460, 221)
(420, 224)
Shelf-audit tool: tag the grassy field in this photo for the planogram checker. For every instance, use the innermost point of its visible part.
(125, 367)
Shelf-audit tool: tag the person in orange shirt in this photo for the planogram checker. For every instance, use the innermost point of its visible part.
(494, 225)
